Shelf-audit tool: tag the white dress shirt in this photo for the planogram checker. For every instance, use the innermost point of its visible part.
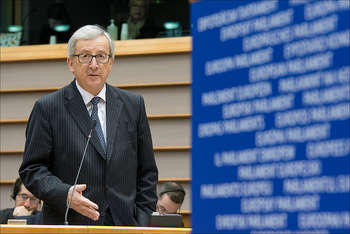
(101, 105)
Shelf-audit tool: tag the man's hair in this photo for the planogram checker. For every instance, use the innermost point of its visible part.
(89, 32)
(146, 2)
(174, 190)
(16, 188)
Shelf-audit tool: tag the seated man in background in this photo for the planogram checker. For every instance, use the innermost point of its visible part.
(171, 197)
(26, 206)
(140, 24)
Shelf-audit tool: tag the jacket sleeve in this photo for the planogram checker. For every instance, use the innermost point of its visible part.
(35, 169)
(147, 172)
(5, 215)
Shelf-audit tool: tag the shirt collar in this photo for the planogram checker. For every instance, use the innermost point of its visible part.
(88, 96)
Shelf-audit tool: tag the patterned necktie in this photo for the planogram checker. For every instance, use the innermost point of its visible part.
(94, 116)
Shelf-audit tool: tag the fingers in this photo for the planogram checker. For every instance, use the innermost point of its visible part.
(81, 204)
(80, 187)
(90, 204)
(21, 211)
(88, 209)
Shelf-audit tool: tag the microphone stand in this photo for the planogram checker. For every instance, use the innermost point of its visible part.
(76, 178)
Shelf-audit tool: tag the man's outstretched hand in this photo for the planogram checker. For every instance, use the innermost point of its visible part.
(81, 204)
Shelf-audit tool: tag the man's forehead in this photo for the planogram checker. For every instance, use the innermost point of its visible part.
(24, 190)
(138, 3)
(99, 44)
(165, 199)
(93, 51)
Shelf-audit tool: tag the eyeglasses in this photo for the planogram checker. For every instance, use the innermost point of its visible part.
(87, 58)
(162, 210)
(23, 197)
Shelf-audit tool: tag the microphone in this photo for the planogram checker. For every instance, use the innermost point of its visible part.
(93, 125)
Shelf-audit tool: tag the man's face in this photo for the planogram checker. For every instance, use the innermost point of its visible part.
(26, 199)
(166, 206)
(137, 10)
(91, 76)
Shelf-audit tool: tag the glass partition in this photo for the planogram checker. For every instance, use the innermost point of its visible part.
(28, 22)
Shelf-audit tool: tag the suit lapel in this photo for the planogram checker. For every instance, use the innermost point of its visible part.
(78, 111)
(113, 108)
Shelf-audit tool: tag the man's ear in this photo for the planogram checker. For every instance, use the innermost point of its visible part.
(112, 59)
(70, 64)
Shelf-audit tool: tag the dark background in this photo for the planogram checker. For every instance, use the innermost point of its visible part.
(33, 15)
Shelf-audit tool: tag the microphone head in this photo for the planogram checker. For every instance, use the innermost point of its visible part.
(93, 124)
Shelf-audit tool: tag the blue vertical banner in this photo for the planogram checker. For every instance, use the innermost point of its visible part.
(271, 116)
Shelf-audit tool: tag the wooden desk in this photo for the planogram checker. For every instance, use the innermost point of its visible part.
(53, 229)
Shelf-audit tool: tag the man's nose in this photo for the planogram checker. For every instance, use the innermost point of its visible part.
(93, 63)
(27, 203)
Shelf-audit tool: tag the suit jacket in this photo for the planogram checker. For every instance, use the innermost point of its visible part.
(6, 214)
(123, 179)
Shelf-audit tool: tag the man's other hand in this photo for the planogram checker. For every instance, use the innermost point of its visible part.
(21, 211)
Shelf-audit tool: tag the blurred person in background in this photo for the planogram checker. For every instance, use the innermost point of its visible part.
(170, 199)
(139, 23)
(26, 206)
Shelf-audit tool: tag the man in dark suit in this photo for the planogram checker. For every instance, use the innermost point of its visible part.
(117, 182)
